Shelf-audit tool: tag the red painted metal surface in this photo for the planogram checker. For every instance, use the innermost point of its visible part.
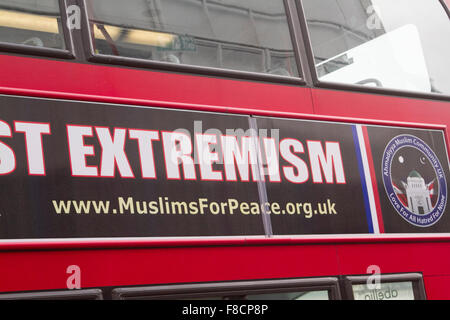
(413, 257)
(437, 287)
(385, 108)
(37, 270)
(127, 85)
(42, 265)
(43, 270)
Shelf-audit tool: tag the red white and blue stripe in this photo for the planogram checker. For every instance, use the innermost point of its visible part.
(368, 179)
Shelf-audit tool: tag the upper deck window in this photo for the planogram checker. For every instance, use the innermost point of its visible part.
(402, 44)
(30, 22)
(243, 35)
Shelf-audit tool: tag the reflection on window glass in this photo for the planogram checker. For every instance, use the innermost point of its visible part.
(244, 35)
(305, 295)
(386, 291)
(31, 22)
(300, 295)
(401, 44)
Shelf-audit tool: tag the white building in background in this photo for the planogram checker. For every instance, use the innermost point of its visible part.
(418, 194)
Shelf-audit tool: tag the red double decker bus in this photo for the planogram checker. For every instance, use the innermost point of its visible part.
(224, 149)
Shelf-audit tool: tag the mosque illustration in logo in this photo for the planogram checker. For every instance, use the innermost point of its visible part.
(415, 194)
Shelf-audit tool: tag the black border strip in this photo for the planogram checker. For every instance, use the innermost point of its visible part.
(165, 66)
(415, 278)
(231, 289)
(351, 87)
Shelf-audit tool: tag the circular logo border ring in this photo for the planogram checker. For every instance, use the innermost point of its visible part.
(397, 143)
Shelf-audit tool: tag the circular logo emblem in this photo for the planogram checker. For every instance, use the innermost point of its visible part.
(414, 180)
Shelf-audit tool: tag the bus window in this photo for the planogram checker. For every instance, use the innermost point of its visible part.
(283, 289)
(386, 291)
(31, 23)
(242, 35)
(408, 286)
(297, 295)
(399, 44)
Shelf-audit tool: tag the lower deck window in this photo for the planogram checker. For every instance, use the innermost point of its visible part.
(408, 286)
(285, 289)
(386, 287)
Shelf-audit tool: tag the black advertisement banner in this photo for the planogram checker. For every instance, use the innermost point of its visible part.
(317, 163)
(89, 189)
(73, 169)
